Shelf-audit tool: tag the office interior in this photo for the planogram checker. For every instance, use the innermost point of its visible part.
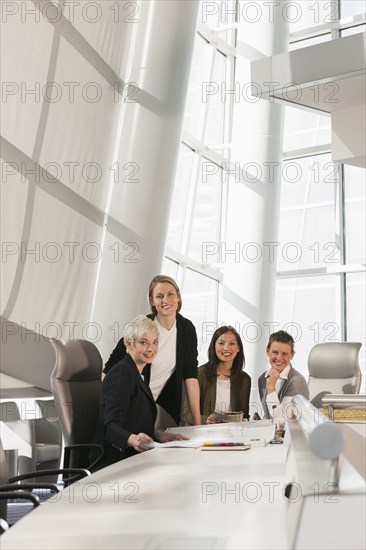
(219, 142)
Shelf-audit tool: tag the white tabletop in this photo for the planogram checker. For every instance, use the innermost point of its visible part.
(167, 498)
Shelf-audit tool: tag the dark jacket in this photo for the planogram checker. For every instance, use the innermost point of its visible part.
(186, 363)
(127, 407)
(295, 384)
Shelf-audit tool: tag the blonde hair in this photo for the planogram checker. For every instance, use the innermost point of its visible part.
(163, 279)
(135, 329)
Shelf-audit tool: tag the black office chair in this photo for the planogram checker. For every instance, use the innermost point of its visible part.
(34, 491)
(48, 437)
(11, 491)
(42, 434)
(76, 385)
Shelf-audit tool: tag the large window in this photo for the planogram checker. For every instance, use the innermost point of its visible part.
(354, 192)
(307, 231)
(320, 285)
(320, 291)
(197, 212)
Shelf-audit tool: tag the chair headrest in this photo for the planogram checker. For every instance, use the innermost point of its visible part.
(80, 361)
(334, 360)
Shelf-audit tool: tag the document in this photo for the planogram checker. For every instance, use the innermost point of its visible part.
(257, 433)
(224, 446)
(188, 443)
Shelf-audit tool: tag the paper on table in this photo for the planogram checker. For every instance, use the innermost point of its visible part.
(191, 443)
(225, 448)
(254, 433)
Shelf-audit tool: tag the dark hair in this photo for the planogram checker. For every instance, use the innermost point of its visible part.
(163, 279)
(213, 361)
(281, 336)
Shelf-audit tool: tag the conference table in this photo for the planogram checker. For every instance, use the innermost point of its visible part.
(176, 498)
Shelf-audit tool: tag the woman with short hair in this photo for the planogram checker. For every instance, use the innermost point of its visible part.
(176, 360)
(128, 410)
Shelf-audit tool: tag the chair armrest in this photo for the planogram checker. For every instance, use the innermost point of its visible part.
(29, 486)
(79, 474)
(22, 495)
(78, 446)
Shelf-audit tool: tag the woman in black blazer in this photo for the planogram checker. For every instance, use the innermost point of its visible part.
(165, 303)
(128, 410)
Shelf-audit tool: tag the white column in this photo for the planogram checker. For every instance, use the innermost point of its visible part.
(151, 125)
(254, 189)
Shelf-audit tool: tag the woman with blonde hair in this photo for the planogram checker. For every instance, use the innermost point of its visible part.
(128, 410)
(176, 360)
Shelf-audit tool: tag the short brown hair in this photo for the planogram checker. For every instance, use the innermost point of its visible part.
(281, 336)
(163, 279)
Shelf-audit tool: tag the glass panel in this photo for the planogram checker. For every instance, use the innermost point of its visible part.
(356, 329)
(217, 13)
(305, 129)
(230, 37)
(306, 308)
(170, 268)
(200, 87)
(353, 30)
(354, 189)
(214, 132)
(200, 305)
(352, 7)
(302, 15)
(309, 42)
(307, 218)
(206, 213)
(180, 197)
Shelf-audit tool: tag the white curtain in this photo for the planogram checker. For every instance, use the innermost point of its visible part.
(83, 122)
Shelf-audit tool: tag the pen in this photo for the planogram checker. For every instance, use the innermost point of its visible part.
(221, 444)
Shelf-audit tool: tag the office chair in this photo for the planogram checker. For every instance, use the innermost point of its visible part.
(29, 358)
(48, 437)
(76, 385)
(11, 491)
(42, 434)
(30, 488)
(333, 368)
(9, 414)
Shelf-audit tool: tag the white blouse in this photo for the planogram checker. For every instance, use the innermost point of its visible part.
(222, 395)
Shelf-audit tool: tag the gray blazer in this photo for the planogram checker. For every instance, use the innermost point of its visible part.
(295, 384)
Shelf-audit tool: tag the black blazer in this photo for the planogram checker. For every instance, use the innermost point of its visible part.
(127, 407)
(186, 363)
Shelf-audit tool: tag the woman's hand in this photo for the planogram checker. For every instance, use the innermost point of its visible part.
(273, 376)
(140, 442)
(213, 419)
(164, 437)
